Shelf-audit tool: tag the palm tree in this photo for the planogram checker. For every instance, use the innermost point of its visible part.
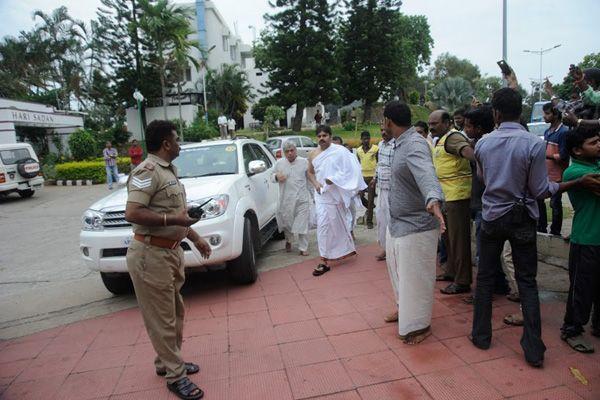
(63, 36)
(230, 90)
(452, 92)
(182, 59)
(165, 25)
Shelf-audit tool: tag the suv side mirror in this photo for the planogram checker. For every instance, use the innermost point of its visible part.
(256, 167)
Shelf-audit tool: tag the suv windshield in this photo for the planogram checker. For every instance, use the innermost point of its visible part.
(12, 156)
(207, 161)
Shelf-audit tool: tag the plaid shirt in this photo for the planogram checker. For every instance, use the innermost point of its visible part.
(384, 164)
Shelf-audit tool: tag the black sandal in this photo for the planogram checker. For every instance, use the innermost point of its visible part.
(320, 270)
(190, 369)
(184, 388)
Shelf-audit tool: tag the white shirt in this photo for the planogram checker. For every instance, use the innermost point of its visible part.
(222, 120)
(231, 124)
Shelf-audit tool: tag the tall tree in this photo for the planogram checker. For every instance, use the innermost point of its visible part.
(163, 24)
(380, 50)
(182, 59)
(121, 45)
(447, 66)
(230, 90)
(296, 49)
(64, 37)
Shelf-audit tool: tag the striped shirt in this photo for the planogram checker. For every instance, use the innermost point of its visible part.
(108, 156)
(384, 164)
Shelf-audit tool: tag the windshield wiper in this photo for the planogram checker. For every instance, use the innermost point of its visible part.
(203, 175)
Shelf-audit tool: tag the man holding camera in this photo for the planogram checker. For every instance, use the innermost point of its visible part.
(156, 207)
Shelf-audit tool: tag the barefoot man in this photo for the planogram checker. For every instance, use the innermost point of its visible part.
(336, 176)
(415, 222)
(291, 172)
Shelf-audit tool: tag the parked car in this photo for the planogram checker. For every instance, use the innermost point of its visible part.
(235, 175)
(304, 145)
(19, 170)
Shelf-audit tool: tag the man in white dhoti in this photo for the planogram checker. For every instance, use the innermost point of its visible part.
(336, 176)
(415, 198)
(294, 198)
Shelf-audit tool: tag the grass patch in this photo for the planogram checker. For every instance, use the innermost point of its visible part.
(419, 113)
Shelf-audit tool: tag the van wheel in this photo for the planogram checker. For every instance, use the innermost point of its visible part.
(117, 283)
(26, 193)
(243, 269)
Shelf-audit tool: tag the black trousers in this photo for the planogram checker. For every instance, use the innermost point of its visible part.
(557, 215)
(520, 231)
(584, 289)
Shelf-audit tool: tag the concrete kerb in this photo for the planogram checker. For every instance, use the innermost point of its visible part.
(79, 182)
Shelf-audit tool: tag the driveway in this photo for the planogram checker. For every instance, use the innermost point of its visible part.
(43, 280)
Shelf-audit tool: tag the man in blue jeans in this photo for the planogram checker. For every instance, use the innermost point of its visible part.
(110, 161)
(511, 163)
(557, 160)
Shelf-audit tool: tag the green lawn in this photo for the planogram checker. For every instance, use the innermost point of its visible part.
(353, 136)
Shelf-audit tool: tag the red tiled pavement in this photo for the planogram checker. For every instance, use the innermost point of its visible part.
(294, 336)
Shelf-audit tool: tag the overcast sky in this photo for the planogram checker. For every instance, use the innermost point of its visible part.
(470, 29)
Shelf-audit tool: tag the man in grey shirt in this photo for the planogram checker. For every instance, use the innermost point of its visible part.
(415, 220)
(511, 163)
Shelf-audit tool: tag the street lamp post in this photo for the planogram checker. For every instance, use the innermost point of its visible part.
(541, 53)
(139, 98)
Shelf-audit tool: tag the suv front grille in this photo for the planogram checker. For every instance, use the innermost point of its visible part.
(115, 219)
(122, 252)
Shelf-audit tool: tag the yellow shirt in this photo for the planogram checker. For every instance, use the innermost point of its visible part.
(368, 160)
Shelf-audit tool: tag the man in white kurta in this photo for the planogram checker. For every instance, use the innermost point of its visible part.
(294, 198)
(336, 176)
(382, 182)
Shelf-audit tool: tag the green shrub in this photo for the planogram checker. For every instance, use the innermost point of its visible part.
(199, 131)
(93, 170)
(413, 97)
(349, 126)
(82, 144)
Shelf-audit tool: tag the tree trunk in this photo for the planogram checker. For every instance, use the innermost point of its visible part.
(367, 112)
(297, 122)
(163, 89)
(180, 114)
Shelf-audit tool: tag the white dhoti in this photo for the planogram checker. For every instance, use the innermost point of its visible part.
(411, 264)
(333, 231)
(382, 215)
(334, 219)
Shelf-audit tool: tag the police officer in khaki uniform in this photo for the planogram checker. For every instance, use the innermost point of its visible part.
(156, 207)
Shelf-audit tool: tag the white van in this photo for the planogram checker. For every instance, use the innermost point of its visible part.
(19, 170)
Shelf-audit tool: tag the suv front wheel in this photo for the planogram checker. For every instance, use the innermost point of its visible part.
(243, 269)
(117, 283)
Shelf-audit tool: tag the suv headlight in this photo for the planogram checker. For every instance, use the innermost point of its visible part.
(92, 220)
(214, 208)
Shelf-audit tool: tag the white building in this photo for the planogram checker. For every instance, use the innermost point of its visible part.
(15, 113)
(225, 47)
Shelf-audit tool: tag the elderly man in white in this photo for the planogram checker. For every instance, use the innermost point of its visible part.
(294, 197)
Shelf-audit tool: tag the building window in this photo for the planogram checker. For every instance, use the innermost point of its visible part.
(259, 74)
(233, 52)
(188, 74)
(225, 43)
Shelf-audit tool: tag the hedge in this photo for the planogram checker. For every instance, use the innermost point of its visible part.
(93, 170)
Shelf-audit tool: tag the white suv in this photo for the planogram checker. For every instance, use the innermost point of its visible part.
(240, 218)
(19, 170)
